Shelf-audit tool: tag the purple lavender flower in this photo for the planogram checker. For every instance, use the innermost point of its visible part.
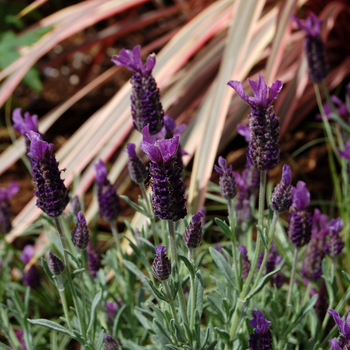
(281, 198)
(80, 233)
(55, 264)
(312, 266)
(19, 335)
(193, 233)
(161, 267)
(344, 330)
(146, 107)
(264, 146)
(168, 198)
(228, 186)
(94, 260)
(262, 337)
(314, 47)
(50, 190)
(245, 261)
(5, 196)
(137, 170)
(300, 221)
(108, 200)
(75, 205)
(110, 343)
(25, 125)
(273, 260)
(243, 130)
(334, 245)
(31, 277)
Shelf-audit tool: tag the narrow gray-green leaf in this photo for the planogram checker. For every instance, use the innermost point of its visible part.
(52, 325)
(94, 304)
(223, 266)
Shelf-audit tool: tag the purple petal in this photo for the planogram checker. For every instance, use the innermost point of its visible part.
(130, 148)
(160, 250)
(81, 218)
(286, 175)
(335, 225)
(334, 344)
(27, 254)
(39, 149)
(312, 25)
(26, 124)
(150, 63)
(169, 124)
(223, 164)
(239, 89)
(274, 90)
(337, 319)
(243, 130)
(300, 196)
(180, 129)
(218, 169)
(197, 217)
(146, 135)
(101, 172)
(243, 251)
(169, 147)
(152, 151)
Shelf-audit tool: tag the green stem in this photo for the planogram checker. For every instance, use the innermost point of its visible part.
(171, 300)
(60, 289)
(114, 230)
(82, 287)
(193, 290)
(69, 277)
(292, 277)
(231, 215)
(266, 253)
(173, 250)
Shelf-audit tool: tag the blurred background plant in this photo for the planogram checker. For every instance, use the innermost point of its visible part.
(55, 60)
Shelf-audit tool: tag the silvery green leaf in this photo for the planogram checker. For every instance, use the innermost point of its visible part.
(147, 242)
(205, 338)
(135, 206)
(138, 252)
(73, 257)
(188, 331)
(178, 332)
(172, 347)
(263, 236)
(4, 347)
(174, 282)
(156, 291)
(345, 275)
(224, 335)
(94, 304)
(223, 266)
(162, 334)
(211, 346)
(52, 325)
(77, 272)
(117, 319)
(188, 264)
(225, 228)
(47, 270)
(157, 311)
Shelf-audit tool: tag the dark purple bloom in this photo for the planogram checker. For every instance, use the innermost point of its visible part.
(50, 190)
(245, 262)
(75, 205)
(314, 254)
(193, 233)
(31, 277)
(108, 200)
(168, 196)
(334, 245)
(94, 260)
(300, 196)
(146, 107)
(264, 146)
(344, 330)
(228, 186)
(314, 47)
(161, 265)
(281, 198)
(56, 265)
(137, 170)
(261, 339)
(5, 196)
(243, 130)
(80, 233)
(110, 343)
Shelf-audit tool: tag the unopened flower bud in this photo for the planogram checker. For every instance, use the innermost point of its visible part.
(56, 265)
(281, 198)
(228, 186)
(110, 343)
(80, 234)
(262, 337)
(75, 205)
(137, 170)
(193, 233)
(161, 265)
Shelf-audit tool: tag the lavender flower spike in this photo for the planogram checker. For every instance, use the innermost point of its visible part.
(193, 233)
(137, 170)
(108, 200)
(245, 261)
(31, 277)
(5, 196)
(300, 221)
(344, 330)
(94, 260)
(110, 343)
(262, 337)
(263, 149)
(228, 186)
(81, 234)
(281, 198)
(314, 47)
(146, 107)
(161, 267)
(55, 264)
(51, 193)
(334, 245)
(168, 189)
(26, 124)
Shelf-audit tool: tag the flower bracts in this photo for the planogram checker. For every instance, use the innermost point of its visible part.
(228, 186)
(261, 339)
(193, 233)
(281, 198)
(146, 107)
(50, 190)
(161, 267)
(137, 170)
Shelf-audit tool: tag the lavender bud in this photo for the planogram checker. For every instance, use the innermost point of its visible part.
(334, 245)
(108, 200)
(314, 48)
(168, 196)
(193, 233)
(281, 198)
(50, 190)
(245, 261)
(31, 278)
(75, 205)
(344, 330)
(5, 196)
(110, 343)
(228, 186)
(262, 337)
(137, 169)
(55, 264)
(161, 265)
(94, 261)
(80, 234)
(146, 107)
(264, 146)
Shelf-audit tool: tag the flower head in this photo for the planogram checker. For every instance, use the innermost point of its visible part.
(31, 277)
(344, 330)
(51, 193)
(161, 265)
(110, 343)
(228, 186)
(312, 25)
(81, 234)
(5, 196)
(334, 244)
(262, 337)
(108, 200)
(281, 198)
(300, 196)
(193, 233)
(55, 264)
(26, 124)
(137, 170)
